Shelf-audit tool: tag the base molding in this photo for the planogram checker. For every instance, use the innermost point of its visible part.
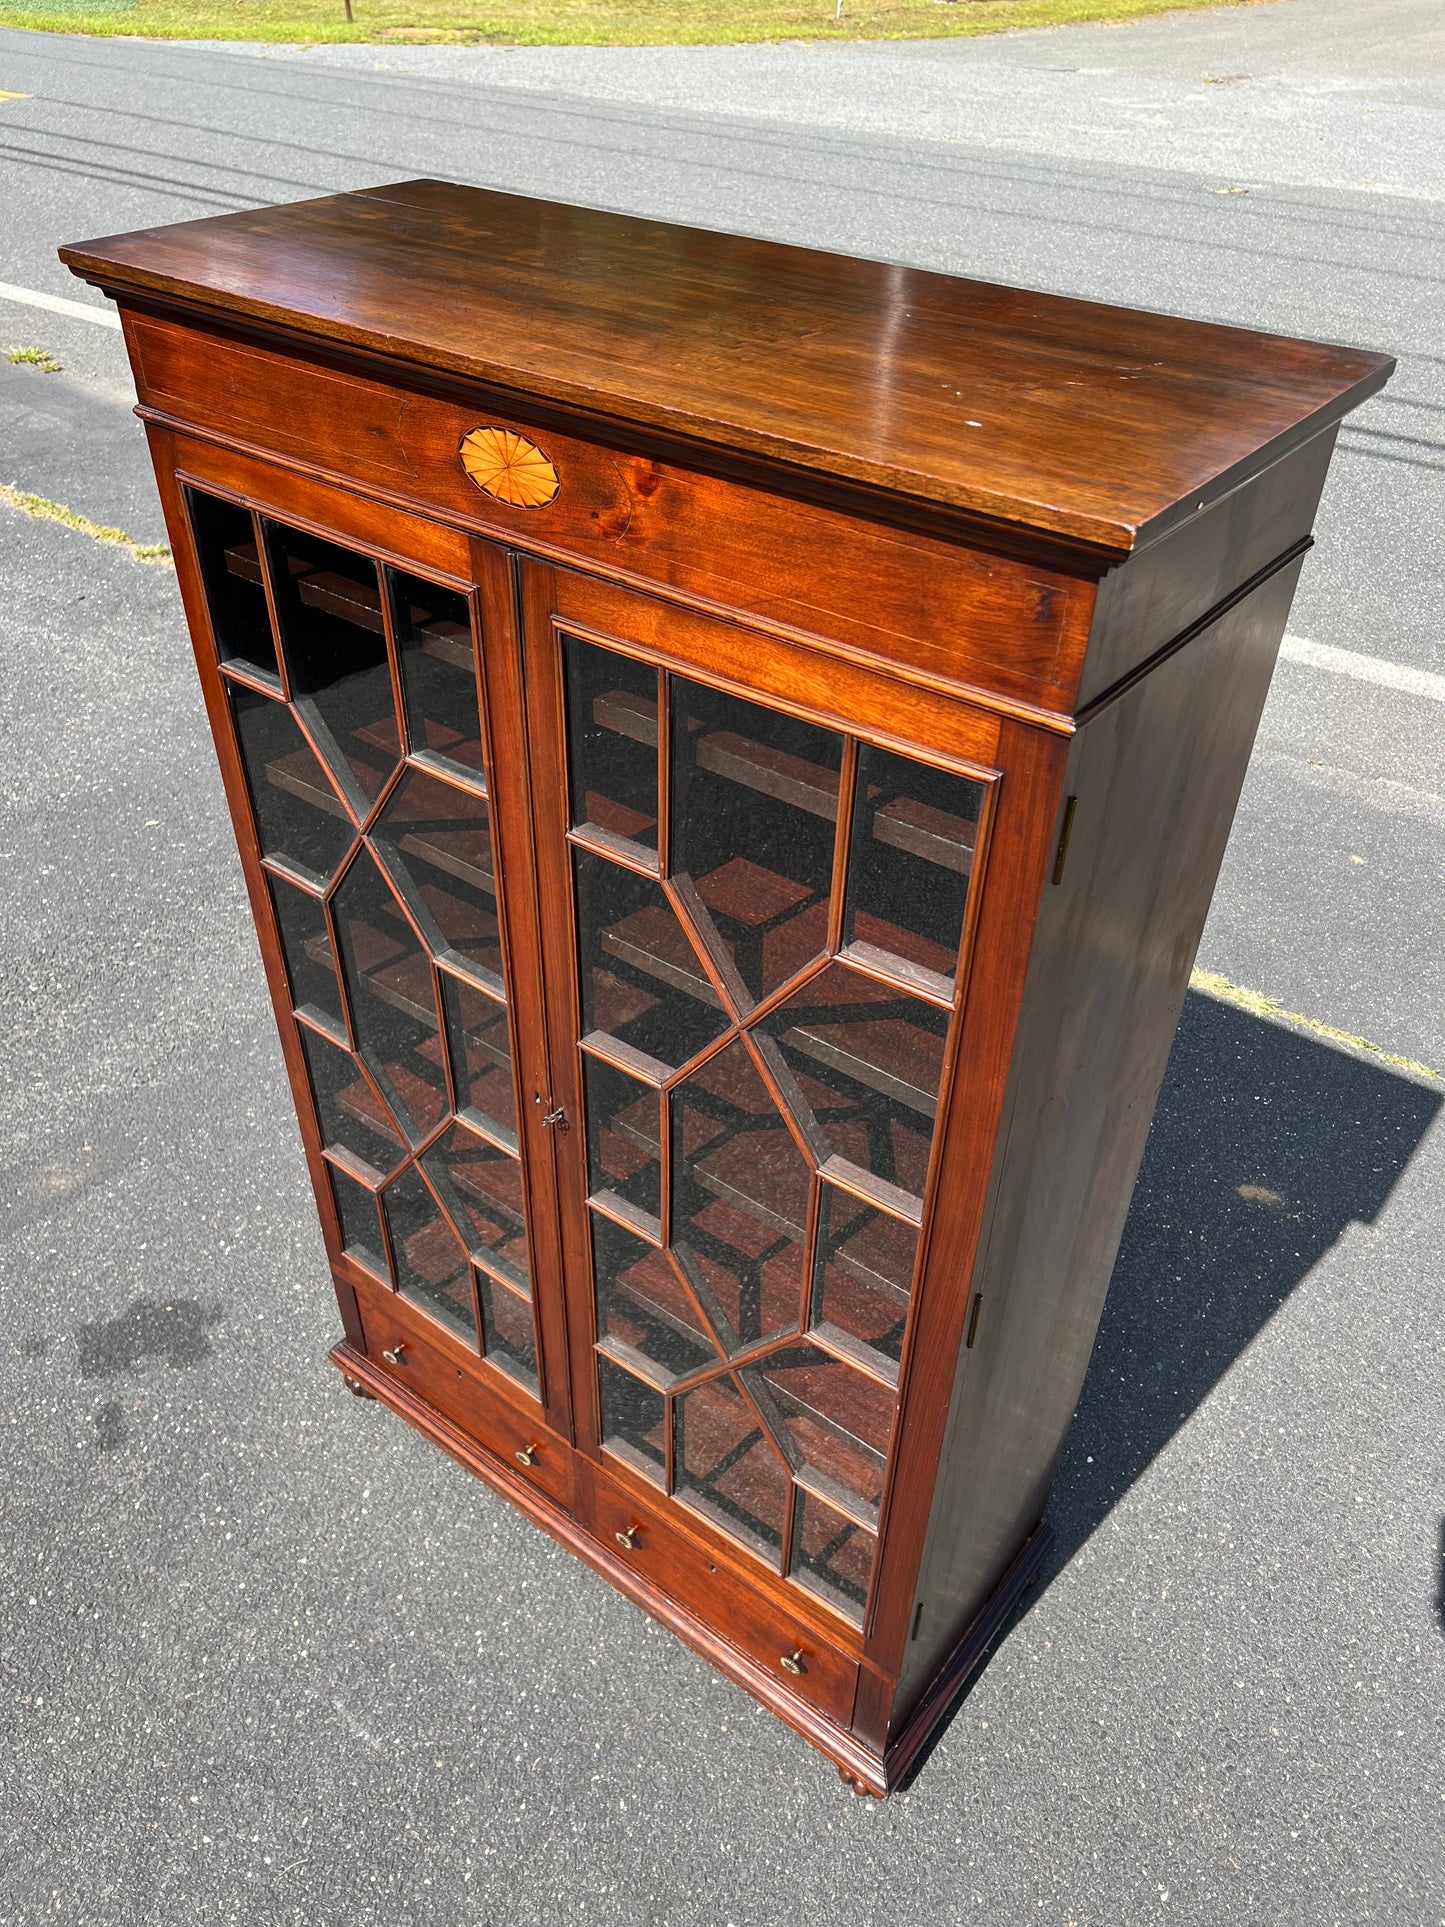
(859, 1766)
(983, 1629)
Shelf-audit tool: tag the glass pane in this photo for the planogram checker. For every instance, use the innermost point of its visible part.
(433, 629)
(480, 1044)
(633, 1420)
(436, 841)
(306, 946)
(878, 1056)
(612, 741)
(360, 1226)
(863, 1276)
(832, 1556)
(334, 637)
(431, 1266)
(299, 816)
(741, 1189)
(642, 1310)
(913, 835)
(510, 1340)
(624, 1142)
(837, 1420)
(481, 1186)
(755, 802)
(235, 590)
(726, 1469)
(639, 967)
(351, 1115)
(389, 987)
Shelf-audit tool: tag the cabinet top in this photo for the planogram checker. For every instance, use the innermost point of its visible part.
(1071, 419)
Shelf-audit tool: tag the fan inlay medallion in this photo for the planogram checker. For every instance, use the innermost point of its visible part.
(507, 466)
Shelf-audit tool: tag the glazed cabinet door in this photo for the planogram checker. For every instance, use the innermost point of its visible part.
(759, 911)
(362, 679)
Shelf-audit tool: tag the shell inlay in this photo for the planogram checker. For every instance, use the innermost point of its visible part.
(509, 467)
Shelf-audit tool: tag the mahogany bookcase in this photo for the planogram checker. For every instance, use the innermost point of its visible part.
(730, 749)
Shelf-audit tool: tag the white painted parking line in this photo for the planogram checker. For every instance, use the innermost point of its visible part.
(1375, 669)
(57, 304)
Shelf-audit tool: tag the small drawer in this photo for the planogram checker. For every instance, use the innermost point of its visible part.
(778, 1640)
(409, 1349)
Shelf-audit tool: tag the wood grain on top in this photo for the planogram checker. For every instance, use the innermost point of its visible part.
(1090, 423)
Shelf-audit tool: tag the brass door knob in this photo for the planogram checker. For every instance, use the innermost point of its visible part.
(792, 1662)
(527, 1455)
(628, 1540)
(396, 1356)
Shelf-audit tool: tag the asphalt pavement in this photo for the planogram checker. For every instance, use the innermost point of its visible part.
(267, 1657)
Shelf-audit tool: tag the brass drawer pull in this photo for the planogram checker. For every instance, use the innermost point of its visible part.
(396, 1356)
(628, 1540)
(527, 1455)
(793, 1662)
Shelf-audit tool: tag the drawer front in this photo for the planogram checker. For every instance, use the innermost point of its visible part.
(420, 1356)
(698, 1579)
(923, 605)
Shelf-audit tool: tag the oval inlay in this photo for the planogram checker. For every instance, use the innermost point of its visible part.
(507, 466)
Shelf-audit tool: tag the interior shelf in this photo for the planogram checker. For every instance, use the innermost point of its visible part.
(465, 854)
(299, 774)
(357, 602)
(906, 824)
(628, 714)
(771, 772)
(936, 835)
(888, 1055)
(652, 941)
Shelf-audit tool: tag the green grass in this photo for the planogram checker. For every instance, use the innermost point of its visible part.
(40, 358)
(599, 23)
(1259, 1005)
(44, 510)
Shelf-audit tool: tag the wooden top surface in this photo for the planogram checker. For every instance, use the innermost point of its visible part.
(1089, 423)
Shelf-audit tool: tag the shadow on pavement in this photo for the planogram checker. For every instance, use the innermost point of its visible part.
(1266, 1145)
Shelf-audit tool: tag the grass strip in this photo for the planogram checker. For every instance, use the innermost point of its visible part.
(33, 357)
(1258, 1005)
(595, 23)
(44, 510)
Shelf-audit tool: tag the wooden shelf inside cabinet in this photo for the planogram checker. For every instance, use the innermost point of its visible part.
(905, 823)
(769, 771)
(933, 834)
(785, 992)
(299, 775)
(651, 941)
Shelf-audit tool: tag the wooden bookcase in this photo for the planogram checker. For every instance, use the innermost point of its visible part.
(730, 749)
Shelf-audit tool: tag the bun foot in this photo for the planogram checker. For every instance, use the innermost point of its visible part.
(355, 1387)
(860, 1787)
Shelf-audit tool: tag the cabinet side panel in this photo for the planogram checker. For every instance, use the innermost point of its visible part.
(1156, 595)
(1157, 776)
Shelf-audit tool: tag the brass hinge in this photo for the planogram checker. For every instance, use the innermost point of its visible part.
(1064, 834)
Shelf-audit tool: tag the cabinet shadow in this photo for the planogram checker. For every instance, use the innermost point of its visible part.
(1266, 1145)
